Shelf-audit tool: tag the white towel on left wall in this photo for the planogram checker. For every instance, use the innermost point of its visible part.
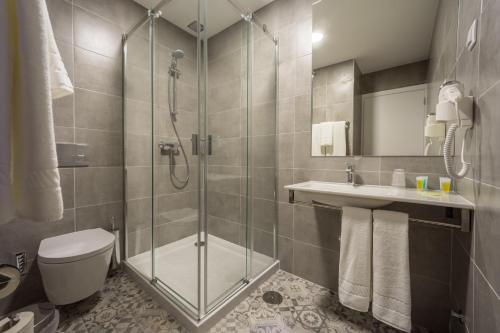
(32, 74)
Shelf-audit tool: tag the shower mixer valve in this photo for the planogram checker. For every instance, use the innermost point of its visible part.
(167, 148)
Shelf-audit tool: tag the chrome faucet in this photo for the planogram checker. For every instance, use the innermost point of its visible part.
(349, 170)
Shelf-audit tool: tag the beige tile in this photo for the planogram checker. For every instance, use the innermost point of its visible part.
(462, 284)
(430, 309)
(139, 182)
(97, 72)
(104, 148)
(98, 111)
(486, 306)
(98, 185)
(68, 188)
(225, 206)
(61, 19)
(100, 216)
(224, 229)
(264, 214)
(489, 65)
(317, 226)
(425, 243)
(139, 214)
(88, 25)
(316, 264)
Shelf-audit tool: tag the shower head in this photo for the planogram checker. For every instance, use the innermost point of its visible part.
(177, 54)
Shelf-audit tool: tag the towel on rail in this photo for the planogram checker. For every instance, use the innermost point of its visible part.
(355, 258)
(391, 269)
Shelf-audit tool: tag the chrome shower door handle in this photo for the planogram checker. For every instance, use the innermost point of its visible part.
(201, 145)
(209, 145)
(195, 143)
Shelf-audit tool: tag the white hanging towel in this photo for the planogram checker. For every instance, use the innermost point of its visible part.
(339, 139)
(326, 133)
(355, 264)
(32, 74)
(391, 269)
(315, 140)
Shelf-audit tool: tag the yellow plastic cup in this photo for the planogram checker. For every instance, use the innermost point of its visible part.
(445, 184)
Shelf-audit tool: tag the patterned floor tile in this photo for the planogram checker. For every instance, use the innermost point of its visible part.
(307, 307)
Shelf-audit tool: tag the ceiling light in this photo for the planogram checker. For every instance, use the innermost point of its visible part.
(317, 36)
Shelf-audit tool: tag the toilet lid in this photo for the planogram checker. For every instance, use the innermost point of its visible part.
(74, 246)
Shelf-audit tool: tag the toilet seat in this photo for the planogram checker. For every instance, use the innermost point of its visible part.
(75, 246)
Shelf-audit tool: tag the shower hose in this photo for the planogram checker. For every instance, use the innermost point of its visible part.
(176, 182)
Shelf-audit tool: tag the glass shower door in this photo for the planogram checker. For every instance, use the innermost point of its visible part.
(176, 186)
(226, 119)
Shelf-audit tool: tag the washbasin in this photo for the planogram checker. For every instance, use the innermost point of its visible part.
(341, 194)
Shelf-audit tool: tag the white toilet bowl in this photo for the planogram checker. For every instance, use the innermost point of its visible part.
(74, 266)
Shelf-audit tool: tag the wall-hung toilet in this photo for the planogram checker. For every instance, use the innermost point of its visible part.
(74, 266)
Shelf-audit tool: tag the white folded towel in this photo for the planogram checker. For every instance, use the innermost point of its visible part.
(339, 139)
(32, 74)
(391, 269)
(355, 258)
(315, 140)
(326, 139)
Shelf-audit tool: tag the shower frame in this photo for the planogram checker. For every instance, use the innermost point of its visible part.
(202, 318)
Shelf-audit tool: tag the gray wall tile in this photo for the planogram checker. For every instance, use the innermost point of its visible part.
(306, 259)
(88, 25)
(98, 185)
(486, 306)
(98, 111)
(97, 72)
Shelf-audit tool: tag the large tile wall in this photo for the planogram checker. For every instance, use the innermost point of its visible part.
(309, 237)
(93, 115)
(475, 278)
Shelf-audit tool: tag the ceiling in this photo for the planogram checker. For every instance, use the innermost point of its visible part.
(220, 13)
(377, 34)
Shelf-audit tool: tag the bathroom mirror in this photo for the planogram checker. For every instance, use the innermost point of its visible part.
(373, 88)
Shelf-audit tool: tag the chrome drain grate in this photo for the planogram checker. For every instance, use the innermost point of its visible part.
(272, 297)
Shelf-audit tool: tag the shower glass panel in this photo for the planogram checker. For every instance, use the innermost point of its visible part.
(200, 147)
(263, 163)
(138, 144)
(176, 187)
(226, 128)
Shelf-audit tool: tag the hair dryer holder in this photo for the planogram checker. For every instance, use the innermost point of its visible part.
(445, 111)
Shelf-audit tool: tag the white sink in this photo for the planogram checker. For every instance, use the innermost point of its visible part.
(339, 194)
(373, 196)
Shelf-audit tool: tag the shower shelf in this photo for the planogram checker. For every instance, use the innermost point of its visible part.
(335, 195)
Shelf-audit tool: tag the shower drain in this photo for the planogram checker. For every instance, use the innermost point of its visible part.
(272, 297)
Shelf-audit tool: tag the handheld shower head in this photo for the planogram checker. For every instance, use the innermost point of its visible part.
(177, 54)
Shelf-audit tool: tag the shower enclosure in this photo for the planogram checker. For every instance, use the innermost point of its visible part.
(200, 143)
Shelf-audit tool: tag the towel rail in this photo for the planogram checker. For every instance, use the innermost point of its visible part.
(464, 226)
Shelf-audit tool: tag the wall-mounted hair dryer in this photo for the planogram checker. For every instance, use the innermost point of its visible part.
(454, 106)
(434, 132)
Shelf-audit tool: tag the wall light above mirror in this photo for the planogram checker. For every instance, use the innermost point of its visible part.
(374, 91)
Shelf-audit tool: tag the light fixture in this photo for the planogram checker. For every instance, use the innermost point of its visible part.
(317, 36)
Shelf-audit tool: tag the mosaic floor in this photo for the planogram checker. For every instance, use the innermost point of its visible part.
(306, 307)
